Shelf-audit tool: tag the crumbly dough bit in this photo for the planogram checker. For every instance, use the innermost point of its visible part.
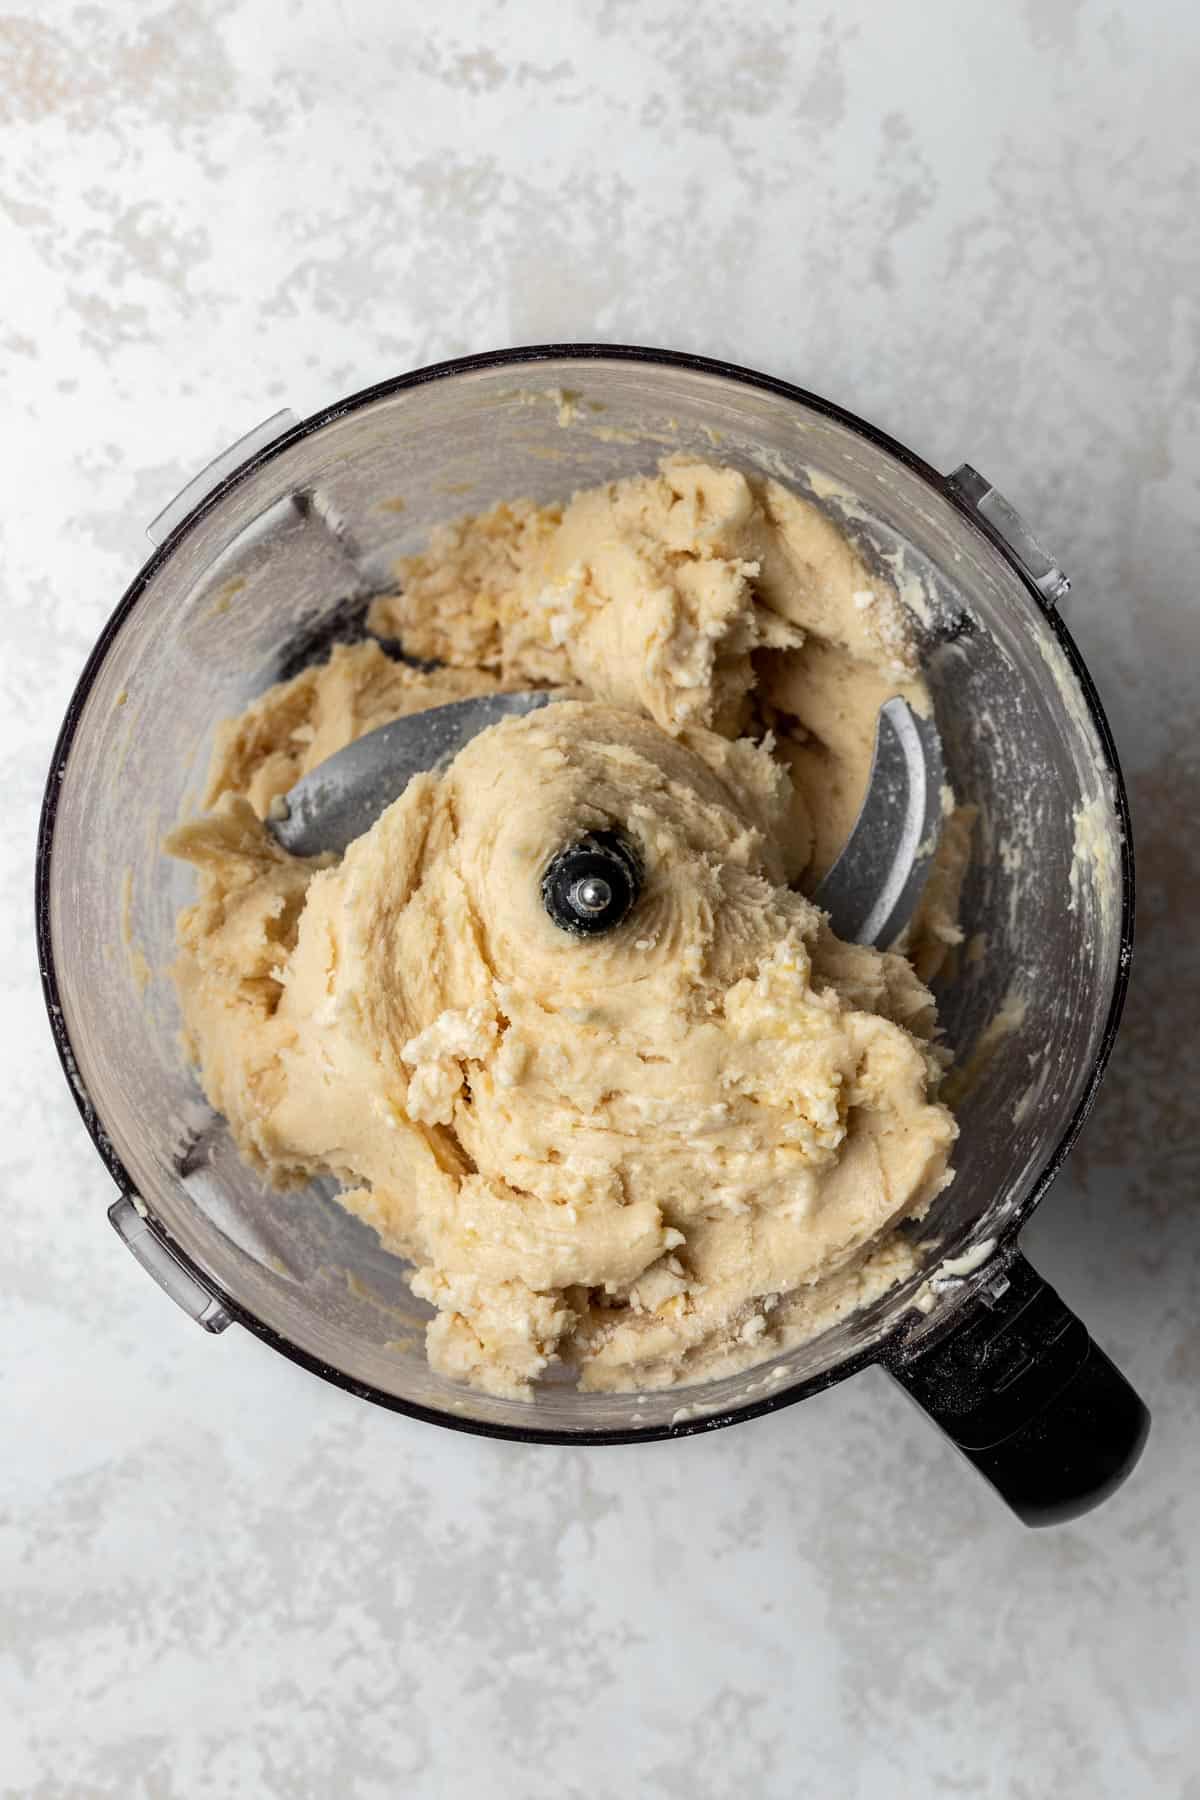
(456, 597)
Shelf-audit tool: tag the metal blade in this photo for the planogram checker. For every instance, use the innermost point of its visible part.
(872, 890)
(341, 798)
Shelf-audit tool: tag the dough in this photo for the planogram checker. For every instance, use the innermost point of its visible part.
(659, 1153)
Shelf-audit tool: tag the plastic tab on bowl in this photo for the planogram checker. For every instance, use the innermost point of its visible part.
(1050, 580)
(202, 485)
(133, 1225)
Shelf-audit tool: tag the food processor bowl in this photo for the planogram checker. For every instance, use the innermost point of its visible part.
(273, 553)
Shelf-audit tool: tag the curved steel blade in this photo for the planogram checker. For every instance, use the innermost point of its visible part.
(343, 796)
(872, 890)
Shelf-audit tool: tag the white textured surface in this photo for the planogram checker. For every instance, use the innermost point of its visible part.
(976, 224)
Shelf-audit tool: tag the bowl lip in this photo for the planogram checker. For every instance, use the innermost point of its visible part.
(884, 1349)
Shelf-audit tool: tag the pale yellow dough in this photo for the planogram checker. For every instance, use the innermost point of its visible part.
(657, 1154)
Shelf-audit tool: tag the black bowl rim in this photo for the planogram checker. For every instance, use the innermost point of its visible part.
(885, 1348)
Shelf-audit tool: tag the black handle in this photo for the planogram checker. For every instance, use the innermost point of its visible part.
(1019, 1386)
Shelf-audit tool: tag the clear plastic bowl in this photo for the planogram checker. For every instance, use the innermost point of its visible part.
(281, 554)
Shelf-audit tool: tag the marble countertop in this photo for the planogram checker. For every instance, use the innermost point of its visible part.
(976, 225)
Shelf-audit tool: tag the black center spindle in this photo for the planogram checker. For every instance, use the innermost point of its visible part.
(591, 886)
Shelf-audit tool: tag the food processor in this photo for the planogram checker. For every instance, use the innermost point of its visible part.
(273, 554)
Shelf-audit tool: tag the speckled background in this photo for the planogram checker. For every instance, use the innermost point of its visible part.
(976, 224)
